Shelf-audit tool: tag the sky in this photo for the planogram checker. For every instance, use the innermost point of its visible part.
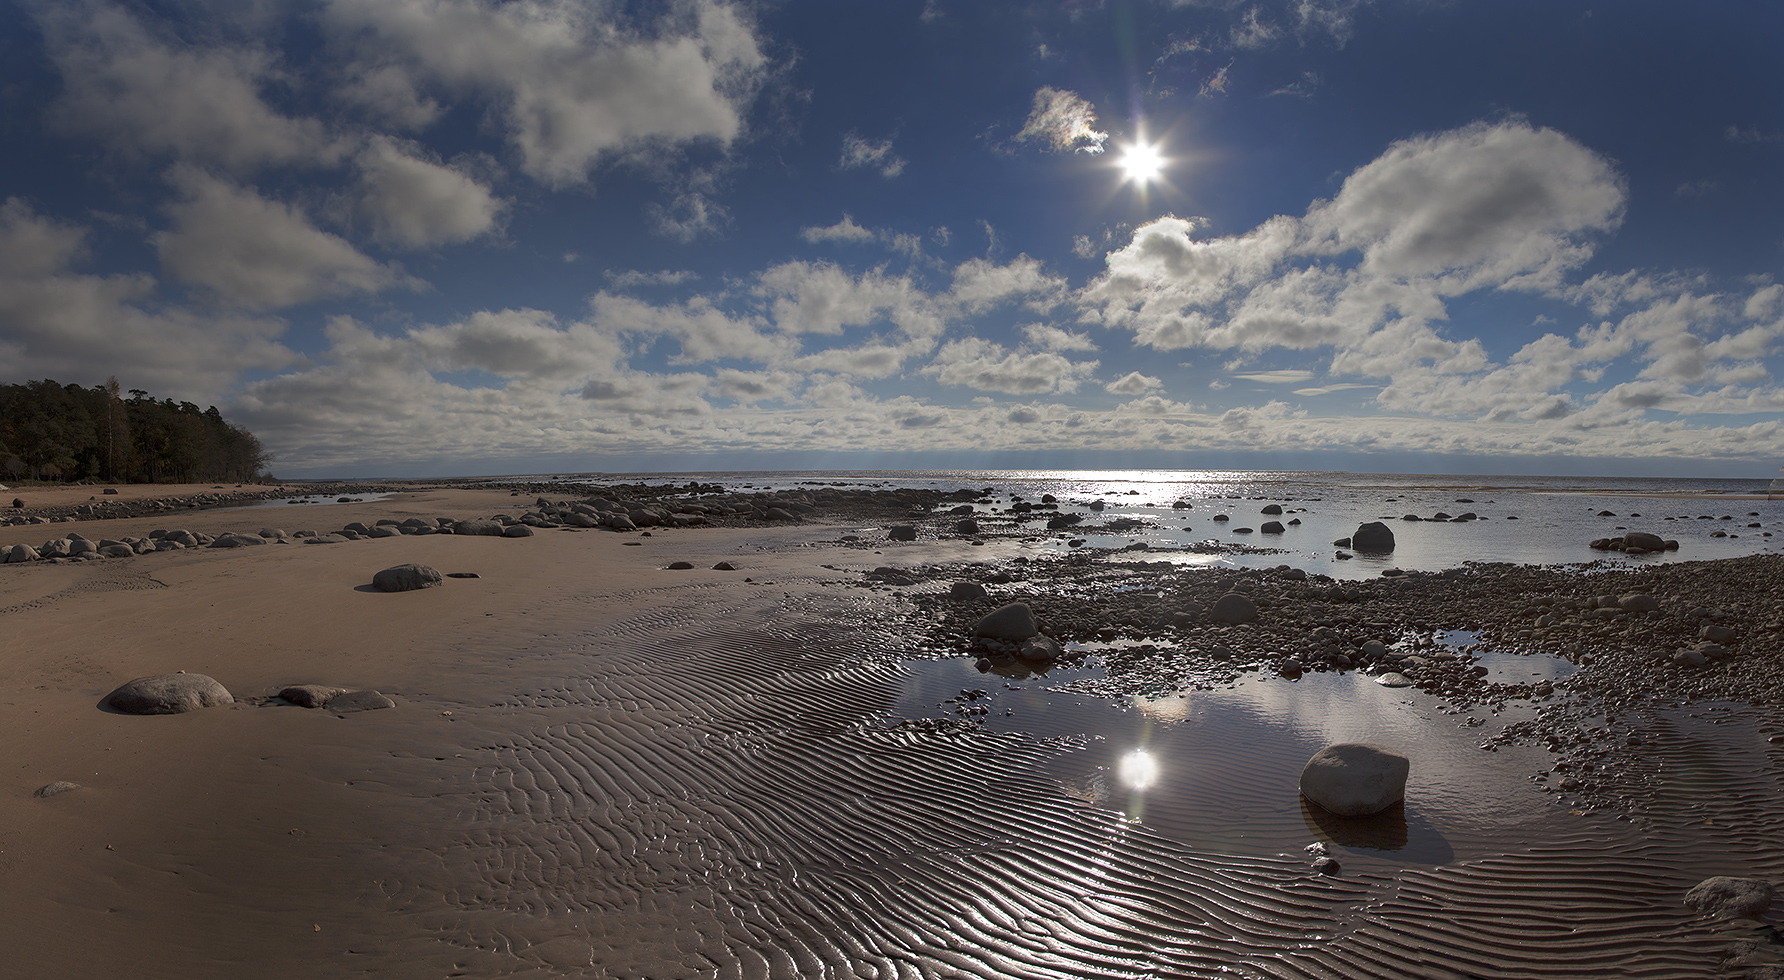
(457, 237)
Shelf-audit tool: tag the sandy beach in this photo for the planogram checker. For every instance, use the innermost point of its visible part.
(597, 766)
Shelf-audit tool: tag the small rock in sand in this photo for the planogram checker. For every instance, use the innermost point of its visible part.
(1394, 678)
(407, 578)
(168, 694)
(724, 566)
(1731, 898)
(48, 790)
(1355, 779)
(680, 566)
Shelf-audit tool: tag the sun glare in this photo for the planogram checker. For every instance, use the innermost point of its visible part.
(1142, 163)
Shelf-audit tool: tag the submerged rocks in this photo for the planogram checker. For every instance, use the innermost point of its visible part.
(168, 694)
(1355, 779)
(1731, 898)
(1014, 622)
(1373, 536)
(1634, 543)
(407, 578)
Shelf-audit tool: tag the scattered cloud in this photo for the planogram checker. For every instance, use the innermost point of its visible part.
(1284, 377)
(860, 152)
(1063, 121)
(845, 230)
(415, 202)
(629, 278)
(1133, 383)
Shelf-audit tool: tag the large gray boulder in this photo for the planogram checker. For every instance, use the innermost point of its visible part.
(1373, 536)
(407, 578)
(1643, 540)
(1014, 622)
(234, 540)
(168, 694)
(1732, 898)
(1355, 779)
(478, 526)
(901, 532)
(20, 553)
(310, 695)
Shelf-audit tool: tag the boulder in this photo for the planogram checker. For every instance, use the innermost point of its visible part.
(1644, 541)
(1394, 678)
(1234, 608)
(901, 532)
(478, 526)
(966, 590)
(517, 531)
(330, 538)
(48, 790)
(406, 578)
(233, 540)
(1355, 779)
(1638, 602)
(1272, 509)
(19, 553)
(724, 566)
(967, 527)
(1014, 622)
(1732, 898)
(310, 695)
(680, 566)
(168, 694)
(1271, 527)
(1373, 536)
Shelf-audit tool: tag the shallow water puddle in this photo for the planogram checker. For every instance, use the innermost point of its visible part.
(1220, 770)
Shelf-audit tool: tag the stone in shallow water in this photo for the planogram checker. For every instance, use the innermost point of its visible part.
(168, 694)
(1355, 779)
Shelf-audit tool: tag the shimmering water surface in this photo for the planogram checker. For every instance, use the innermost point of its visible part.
(1528, 520)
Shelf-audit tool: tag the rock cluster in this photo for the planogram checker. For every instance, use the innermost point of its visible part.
(1635, 543)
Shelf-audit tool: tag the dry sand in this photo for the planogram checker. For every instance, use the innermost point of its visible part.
(598, 767)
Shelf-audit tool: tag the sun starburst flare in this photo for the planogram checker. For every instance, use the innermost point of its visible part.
(1142, 163)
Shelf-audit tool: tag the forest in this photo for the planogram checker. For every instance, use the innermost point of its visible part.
(50, 431)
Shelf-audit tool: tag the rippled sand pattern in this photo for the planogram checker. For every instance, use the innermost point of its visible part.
(720, 792)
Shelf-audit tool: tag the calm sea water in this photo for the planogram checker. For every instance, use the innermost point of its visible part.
(1541, 520)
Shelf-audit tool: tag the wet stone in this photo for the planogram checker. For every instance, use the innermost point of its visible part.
(353, 701)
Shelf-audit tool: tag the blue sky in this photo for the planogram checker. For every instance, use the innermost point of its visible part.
(436, 237)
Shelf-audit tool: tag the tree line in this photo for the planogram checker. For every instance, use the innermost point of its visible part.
(50, 431)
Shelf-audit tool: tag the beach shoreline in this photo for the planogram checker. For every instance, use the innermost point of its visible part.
(585, 751)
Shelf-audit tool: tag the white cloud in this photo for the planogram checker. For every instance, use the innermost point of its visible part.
(572, 83)
(985, 366)
(858, 151)
(845, 230)
(260, 254)
(1253, 32)
(417, 203)
(704, 332)
(691, 215)
(1063, 120)
(749, 387)
(58, 323)
(517, 344)
(1133, 383)
(823, 298)
(629, 278)
(1047, 337)
(980, 284)
(150, 95)
(388, 94)
(1283, 377)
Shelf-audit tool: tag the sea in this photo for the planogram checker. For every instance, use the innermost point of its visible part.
(1177, 514)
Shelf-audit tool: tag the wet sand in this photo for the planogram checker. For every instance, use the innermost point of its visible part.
(598, 767)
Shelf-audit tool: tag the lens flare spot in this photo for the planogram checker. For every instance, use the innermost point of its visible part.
(1142, 163)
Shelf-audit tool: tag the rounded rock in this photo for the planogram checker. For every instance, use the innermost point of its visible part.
(1234, 608)
(1014, 622)
(1731, 898)
(1373, 536)
(168, 694)
(407, 578)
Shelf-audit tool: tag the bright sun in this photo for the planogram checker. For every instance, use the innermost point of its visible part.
(1142, 163)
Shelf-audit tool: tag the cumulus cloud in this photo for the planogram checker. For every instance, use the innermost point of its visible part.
(1133, 383)
(152, 95)
(845, 230)
(61, 323)
(980, 284)
(858, 151)
(259, 254)
(703, 331)
(418, 203)
(572, 83)
(1063, 121)
(985, 366)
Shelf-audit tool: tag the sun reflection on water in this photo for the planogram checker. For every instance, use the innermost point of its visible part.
(1138, 769)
